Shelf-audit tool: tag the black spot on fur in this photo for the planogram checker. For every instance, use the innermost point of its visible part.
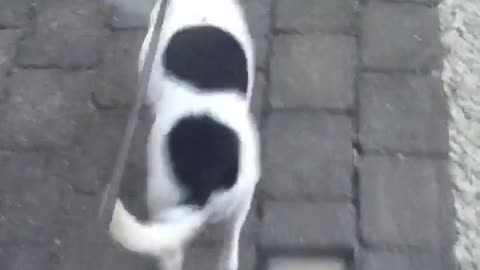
(207, 57)
(204, 155)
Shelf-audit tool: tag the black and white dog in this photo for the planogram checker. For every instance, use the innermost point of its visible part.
(203, 150)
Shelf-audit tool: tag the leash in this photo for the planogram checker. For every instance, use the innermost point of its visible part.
(111, 191)
(89, 250)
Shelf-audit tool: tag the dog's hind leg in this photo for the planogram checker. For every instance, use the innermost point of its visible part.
(231, 241)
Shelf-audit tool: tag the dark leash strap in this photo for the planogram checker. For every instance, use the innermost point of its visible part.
(91, 252)
(110, 194)
(90, 249)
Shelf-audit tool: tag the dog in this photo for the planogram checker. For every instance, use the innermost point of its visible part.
(203, 147)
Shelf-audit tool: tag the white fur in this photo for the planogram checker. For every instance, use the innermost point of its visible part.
(172, 226)
(154, 238)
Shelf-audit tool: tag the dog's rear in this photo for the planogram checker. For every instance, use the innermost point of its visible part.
(203, 146)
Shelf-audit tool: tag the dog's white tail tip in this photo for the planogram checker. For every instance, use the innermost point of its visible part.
(154, 238)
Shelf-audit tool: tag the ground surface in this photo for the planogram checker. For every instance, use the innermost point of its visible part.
(461, 37)
(354, 128)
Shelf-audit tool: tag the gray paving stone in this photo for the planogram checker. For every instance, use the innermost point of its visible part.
(214, 233)
(121, 259)
(77, 210)
(313, 71)
(78, 232)
(403, 202)
(78, 169)
(66, 33)
(75, 254)
(100, 145)
(411, 261)
(258, 15)
(8, 42)
(88, 165)
(403, 113)
(306, 263)
(207, 257)
(30, 198)
(31, 258)
(18, 169)
(14, 13)
(117, 79)
(45, 108)
(76, 241)
(81, 244)
(258, 96)
(314, 15)
(400, 36)
(5, 254)
(307, 156)
(426, 2)
(127, 14)
(307, 225)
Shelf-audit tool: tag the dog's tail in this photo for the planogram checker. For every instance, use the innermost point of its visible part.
(179, 226)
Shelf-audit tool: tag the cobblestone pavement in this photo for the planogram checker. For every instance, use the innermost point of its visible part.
(354, 128)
